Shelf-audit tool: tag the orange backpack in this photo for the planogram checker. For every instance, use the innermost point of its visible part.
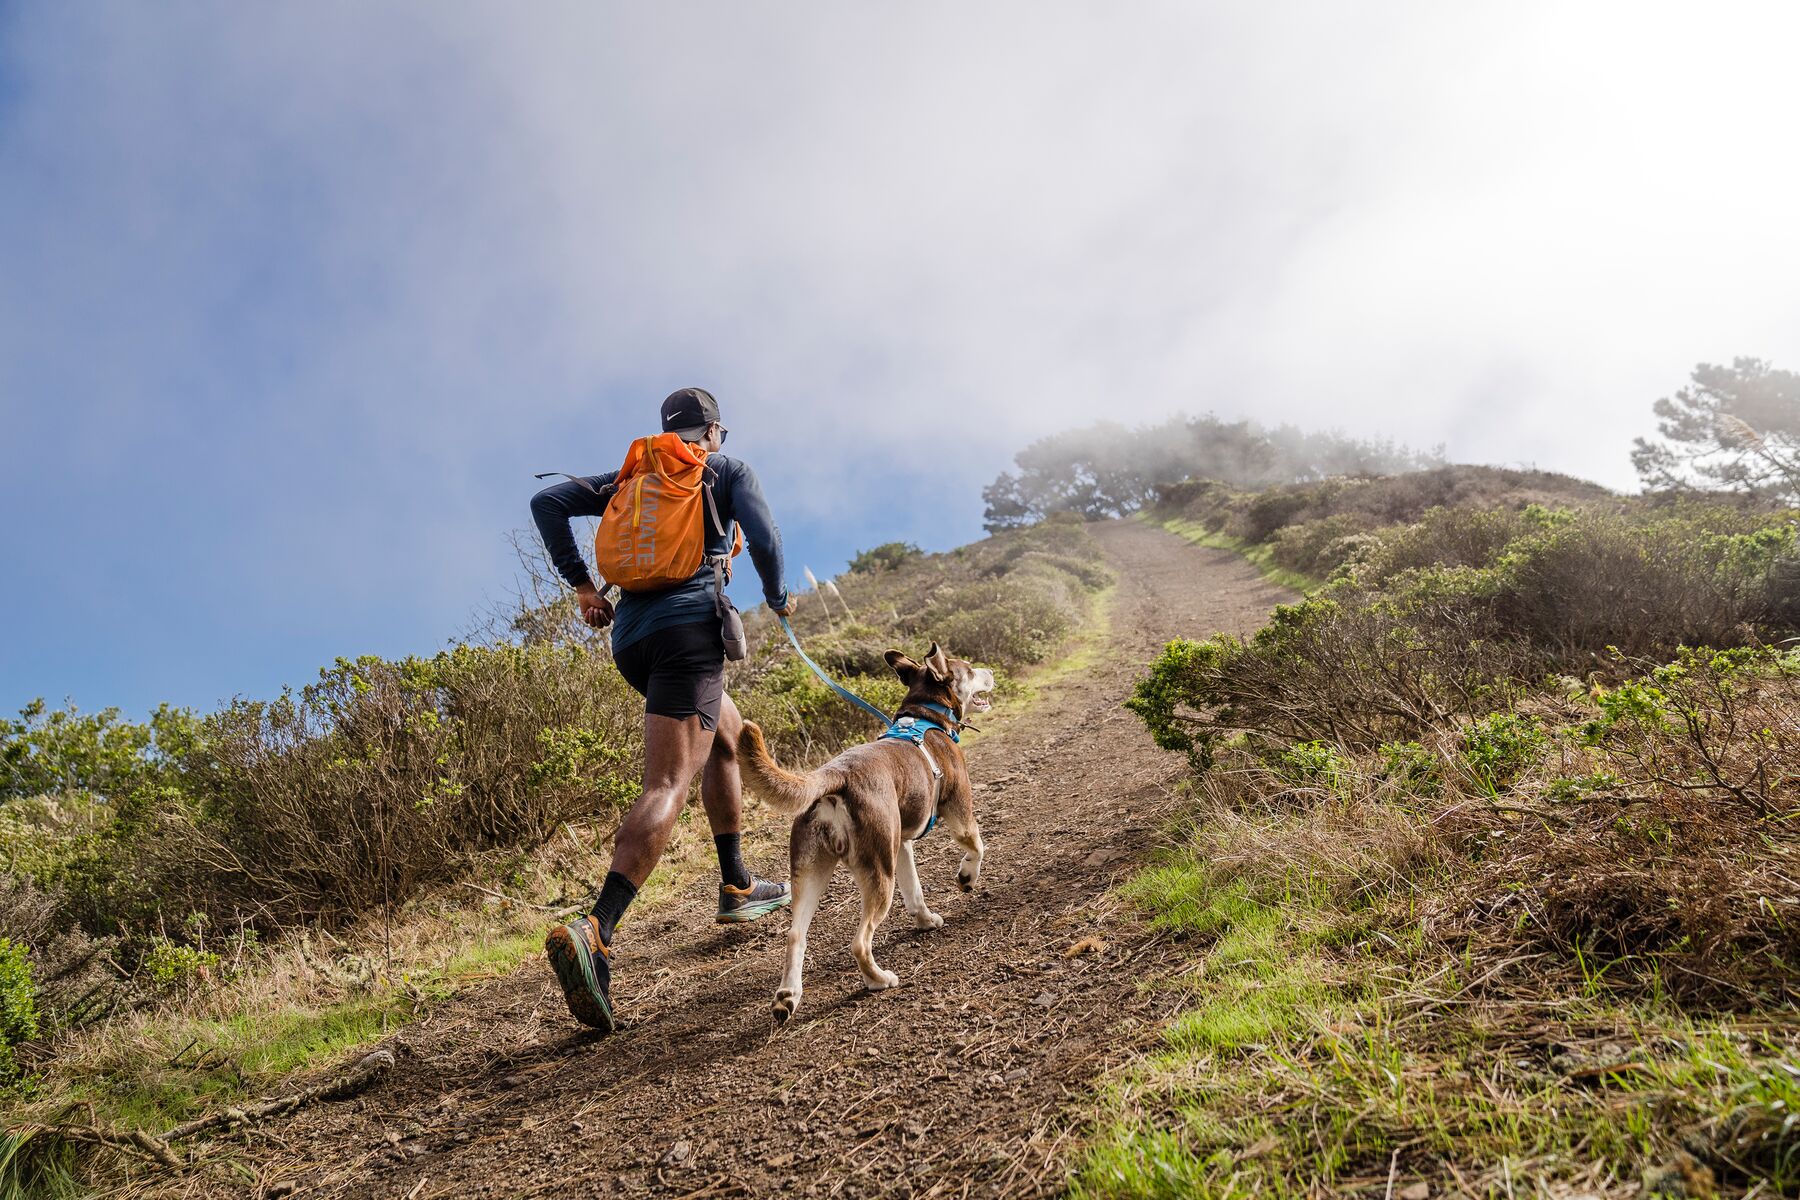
(653, 535)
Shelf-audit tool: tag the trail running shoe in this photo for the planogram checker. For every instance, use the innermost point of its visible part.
(751, 903)
(578, 957)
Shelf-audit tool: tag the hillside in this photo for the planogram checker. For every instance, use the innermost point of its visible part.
(1471, 870)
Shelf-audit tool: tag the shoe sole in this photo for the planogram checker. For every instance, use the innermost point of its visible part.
(574, 969)
(754, 912)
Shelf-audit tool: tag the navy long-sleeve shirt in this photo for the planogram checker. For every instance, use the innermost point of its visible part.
(739, 498)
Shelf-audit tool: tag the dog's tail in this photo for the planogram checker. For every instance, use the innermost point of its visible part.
(784, 791)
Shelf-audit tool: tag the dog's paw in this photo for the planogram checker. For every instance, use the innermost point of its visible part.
(881, 981)
(928, 920)
(968, 874)
(785, 1004)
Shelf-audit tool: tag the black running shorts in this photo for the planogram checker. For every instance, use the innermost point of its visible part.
(680, 670)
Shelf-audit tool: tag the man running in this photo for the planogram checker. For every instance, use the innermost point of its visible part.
(670, 648)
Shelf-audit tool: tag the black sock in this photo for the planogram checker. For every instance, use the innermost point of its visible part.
(616, 895)
(731, 860)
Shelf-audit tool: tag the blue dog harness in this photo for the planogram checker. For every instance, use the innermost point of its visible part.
(913, 729)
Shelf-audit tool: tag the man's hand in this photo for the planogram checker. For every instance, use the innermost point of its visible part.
(596, 609)
(792, 604)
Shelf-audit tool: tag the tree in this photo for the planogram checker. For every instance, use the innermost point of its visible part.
(1107, 470)
(1006, 506)
(1734, 428)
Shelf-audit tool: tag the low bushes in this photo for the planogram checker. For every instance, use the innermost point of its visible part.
(385, 776)
(1312, 529)
(1511, 657)
(884, 557)
(1461, 614)
(322, 804)
(1644, 831)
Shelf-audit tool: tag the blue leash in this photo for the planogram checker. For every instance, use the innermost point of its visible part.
(833, 684)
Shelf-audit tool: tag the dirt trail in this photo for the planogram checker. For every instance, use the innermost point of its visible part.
(955, 1084)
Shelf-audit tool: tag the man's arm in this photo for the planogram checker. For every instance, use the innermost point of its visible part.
(764, 540)
(552, 509)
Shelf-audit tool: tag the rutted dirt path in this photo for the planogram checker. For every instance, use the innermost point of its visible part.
(956, 1084)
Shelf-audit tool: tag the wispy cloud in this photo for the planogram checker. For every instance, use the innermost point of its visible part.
(295, 298)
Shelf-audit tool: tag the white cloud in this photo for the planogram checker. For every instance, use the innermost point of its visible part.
(356, 247)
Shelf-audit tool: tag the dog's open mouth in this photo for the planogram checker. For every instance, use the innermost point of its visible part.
(980, 702)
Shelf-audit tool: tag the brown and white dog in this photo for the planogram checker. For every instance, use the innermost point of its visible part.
(866, 806)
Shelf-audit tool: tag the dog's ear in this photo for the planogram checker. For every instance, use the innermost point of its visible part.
(903, 666)
(937, 663)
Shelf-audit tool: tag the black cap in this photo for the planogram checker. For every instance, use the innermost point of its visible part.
(689, 408)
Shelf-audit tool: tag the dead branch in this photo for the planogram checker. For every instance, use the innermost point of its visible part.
(358, 1078)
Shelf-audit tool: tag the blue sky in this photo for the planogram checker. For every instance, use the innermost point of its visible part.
(295, 298)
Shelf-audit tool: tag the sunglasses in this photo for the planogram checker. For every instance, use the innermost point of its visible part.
(723, 433)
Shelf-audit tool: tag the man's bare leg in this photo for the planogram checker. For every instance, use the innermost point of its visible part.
(722, 787)
(579, 952)
(674, 752)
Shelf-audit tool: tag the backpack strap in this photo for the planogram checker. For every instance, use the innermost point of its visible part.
(608, 490)
(721, 563)
(713, 508)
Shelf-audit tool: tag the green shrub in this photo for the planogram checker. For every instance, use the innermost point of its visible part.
(18, 1004)
(1317, 548)
(1412, 768)
(1266, 512)
(1177, 682)
(1442, 537)
(1501, 747)
(1002, 620)
(804, 719)
(1315, 764)
(1635, 701)
(387, 775)
(1058, 568)
(174, 966)
(1457, 616)
(379, 778)
(1357, 504)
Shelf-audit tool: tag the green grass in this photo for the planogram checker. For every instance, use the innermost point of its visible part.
(1260, 557)
(1312, 1055)
(34, 1168)
(143, 1080)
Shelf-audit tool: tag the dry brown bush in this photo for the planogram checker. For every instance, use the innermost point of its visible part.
(1648, 847)
(385, 776)
(1357, 847)
(1663, 847)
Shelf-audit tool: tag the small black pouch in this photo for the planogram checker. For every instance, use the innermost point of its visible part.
(731, 622)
